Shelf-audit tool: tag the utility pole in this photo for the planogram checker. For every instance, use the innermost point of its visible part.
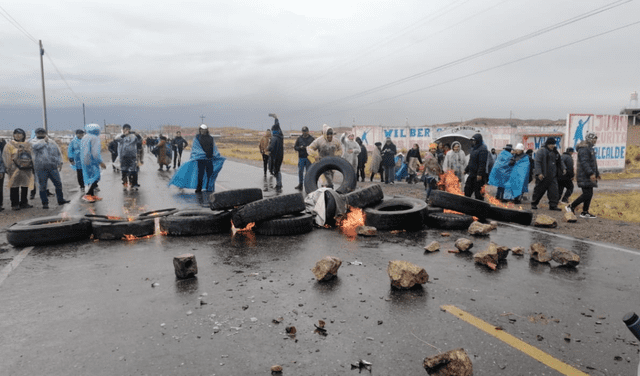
(44, 99)
(84, 117)
(202, 119)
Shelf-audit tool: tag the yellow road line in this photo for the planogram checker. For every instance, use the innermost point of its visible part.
(514, 342)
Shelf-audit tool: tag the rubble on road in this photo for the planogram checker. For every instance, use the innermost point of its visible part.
(492, 256)
(565, 257)
(405, 275)
(518, 251)
(185, 266)
(276, 370)
(366, 231)
(481, 229)
(463, 244)
(327, 268)
(361, 364)
(452, 363)
(543, 220)
(539, 252)
(570, 218)
(432, 247)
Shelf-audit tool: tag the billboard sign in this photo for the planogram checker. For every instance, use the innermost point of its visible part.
(612, 137)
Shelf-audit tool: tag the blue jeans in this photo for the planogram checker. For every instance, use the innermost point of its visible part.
(428, 181)
(303, 163)
(54, 175)
(389, 173)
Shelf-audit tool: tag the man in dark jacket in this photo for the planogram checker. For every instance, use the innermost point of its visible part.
(303, 156)
(565, 181)
(388, 161)
(276, 152)
(587, 175)
(476, 168)
(548, 166)
(178, 144)
(363, 156)
(113, 149)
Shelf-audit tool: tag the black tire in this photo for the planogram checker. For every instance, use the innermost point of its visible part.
(523, 217)
(434, 209)
(397, 214)
(330, 209)
(449, 221)
(48, 230)
(118, 230)
(349, 181)
(268, 208)
(290, 224)
(157, 213)
(365, 197)
(196, 222)
(236, 197)
(105, 218)
(462, 204)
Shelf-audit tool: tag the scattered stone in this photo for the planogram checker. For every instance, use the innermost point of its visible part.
(445, 234)
(290, 329)
(494, 224)
(361, 364)
(278, 320)
(327, 268)
(366, 231)
(185, 266)
(539, 252)
(480, 229)
(491, 256)
(452, 363)
(565, 257)
(570, 217)
(405, 275)
(518, 251)
(463, 244)
(432, 247)
(543, 220)
(567, 337)
(275, 370)
(155, 284)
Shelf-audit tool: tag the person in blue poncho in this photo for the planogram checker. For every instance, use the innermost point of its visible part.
(91, 159)
(501, 171)
(518, 182)
(73, 153)
(202, 169)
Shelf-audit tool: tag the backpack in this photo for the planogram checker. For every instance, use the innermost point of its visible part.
(23, 160)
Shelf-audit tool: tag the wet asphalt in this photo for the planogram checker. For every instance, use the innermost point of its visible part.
(116, 307)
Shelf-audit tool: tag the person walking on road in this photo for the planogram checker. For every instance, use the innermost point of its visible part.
(264, 144)
(325, 146)
(91, 158)
(587, 175)
(456, 161)
(518, 182)
(376, 162)
(202, 168)
(73, 154)
(414, 159)
(47, 163)
(548, 166)
(303, 157)
(350, 149)
(178, 144)
(129, 148)
(113, 149)
(388, 161)
(276, 152)
(501, 171)
(476, 168)
(163, 153)
(363, 156)
(565, 181)
(18, 164)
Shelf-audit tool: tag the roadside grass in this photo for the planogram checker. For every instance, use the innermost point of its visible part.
(632, 166)
(617, 206)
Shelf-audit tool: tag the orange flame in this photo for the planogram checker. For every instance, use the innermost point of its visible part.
(248, 228)
(449, 182)
(348, 223)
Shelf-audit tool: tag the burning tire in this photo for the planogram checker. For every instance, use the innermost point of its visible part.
(463, 204)
(118, 230)
(236, 197)
(523, 217)
(365, 197)
(449, 221)
(105, 218)
(157, 213)
(290, 224)
(48, 230)
(268, 208)
(331, 163)
(196, 222)
(397, 214)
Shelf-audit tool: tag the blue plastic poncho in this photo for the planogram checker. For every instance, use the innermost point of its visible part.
(90, 154)
(501, 170)
(187, 174)
(518, 182)
(73, 153)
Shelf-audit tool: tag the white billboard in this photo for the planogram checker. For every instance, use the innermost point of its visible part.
(612, 137)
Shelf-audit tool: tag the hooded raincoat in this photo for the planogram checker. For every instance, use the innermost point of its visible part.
(455, 161)
(16, 177)
(350, 149)
(90, 148)
(322, 146)
(73, 153)
(187, 175)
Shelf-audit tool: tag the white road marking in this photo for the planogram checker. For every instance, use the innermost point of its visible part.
(14, 264)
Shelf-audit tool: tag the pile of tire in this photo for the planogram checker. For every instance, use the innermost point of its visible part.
(116, 228)
(48, 230)
(316, 170)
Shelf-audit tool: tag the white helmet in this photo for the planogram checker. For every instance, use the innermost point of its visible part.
(203, 126)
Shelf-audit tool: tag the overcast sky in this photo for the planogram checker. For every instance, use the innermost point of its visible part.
(338, 62)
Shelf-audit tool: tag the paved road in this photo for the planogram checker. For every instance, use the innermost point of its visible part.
(89, 308)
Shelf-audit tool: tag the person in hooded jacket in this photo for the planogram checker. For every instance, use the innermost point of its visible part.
(178, 144)
(476, 168)
(565, 181)
(587, 175)
(350, 149)
(91, 159)
(376, 162)
(129, 145)
(501, 171)
(413, 160)
(19, 178)
(389, 152)
(303, 157)
(73, 153)
(548, 166)
(363, 156)
(276, 152)
(432, 170)
(163, 153)
(326, 146)
(456, 161)
(47, 163)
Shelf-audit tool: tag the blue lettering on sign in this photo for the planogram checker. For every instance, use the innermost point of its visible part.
(412, 132)
(388, 133)
(421, 132)
(610, 152)
(402, 133)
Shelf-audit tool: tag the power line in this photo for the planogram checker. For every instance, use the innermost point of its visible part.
(63, 79)
(17, 25)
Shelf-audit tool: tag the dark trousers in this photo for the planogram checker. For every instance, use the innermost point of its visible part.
(130, 177)
(562, 185)
(380, 171)
(473, 186)
(177, 157)
(1, 190)
(114, 157)
(585, 197)
(18, 196)
(92, 189)
(204, 165)
(548, 186)
(360, 172)
(389, 174)
(80, 178)
(265, 162)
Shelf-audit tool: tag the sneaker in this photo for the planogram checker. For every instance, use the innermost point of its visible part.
(15, 208)
(96, 198)
(87, 198)
(136, 186)
(63, 202)
(25, 206)
(566, 201)
(45, 206)
(50, 194)
(555, 208)
(569, 209)
(587, 215)
(298, 187)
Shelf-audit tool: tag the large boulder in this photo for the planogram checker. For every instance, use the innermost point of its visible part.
(452, 363)
(405, 275)
(327, 268)
(565, 257)
(491, 256)
(570, 218)
(432, 247)
(543, 220)
(539, 252)
(480, 229)
(366, 231)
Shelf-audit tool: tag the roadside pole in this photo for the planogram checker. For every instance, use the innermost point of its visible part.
(44, 99)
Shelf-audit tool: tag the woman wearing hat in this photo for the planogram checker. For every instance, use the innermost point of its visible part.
(16, 156)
